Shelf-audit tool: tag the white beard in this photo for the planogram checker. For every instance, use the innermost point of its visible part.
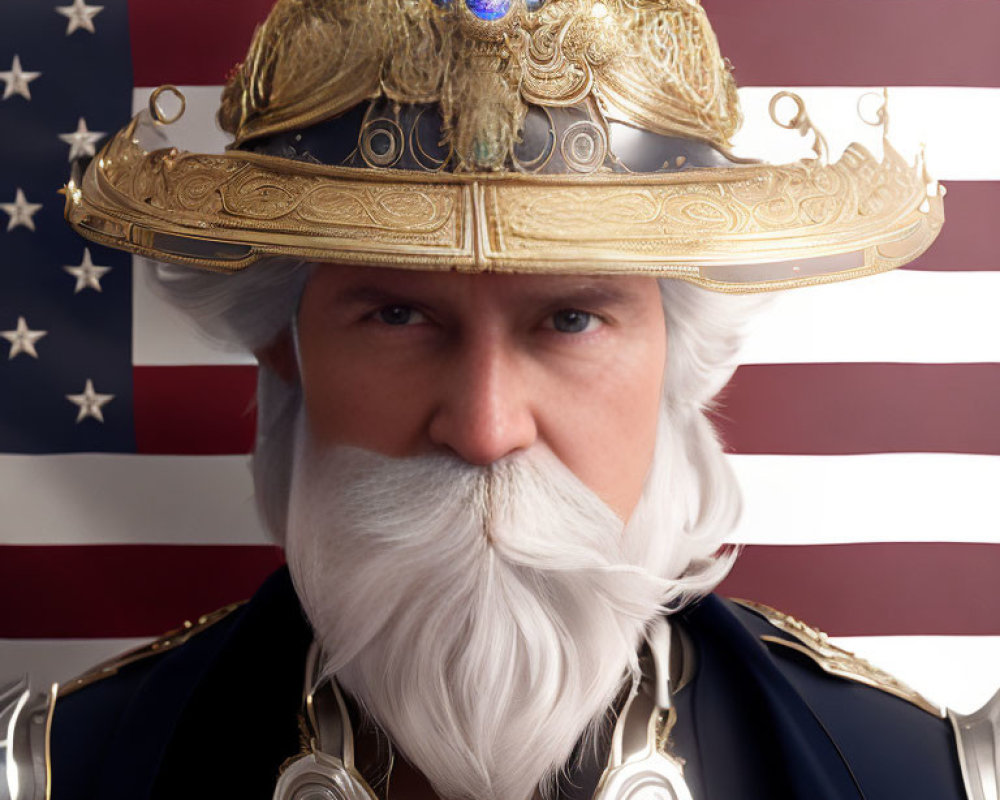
(485, 617)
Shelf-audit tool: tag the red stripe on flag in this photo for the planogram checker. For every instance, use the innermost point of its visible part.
(876, 589)
(859, 42)
(194, 410)
(190, 42)
(848, 590)
(771, 42)
(93, 591)
(968, 239)
(805, 409)
(840, 409)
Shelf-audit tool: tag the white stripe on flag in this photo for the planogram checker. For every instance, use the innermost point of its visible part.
(902, 316)
(956, 124)
(790, 499)
(90, 498)
(956, 671)
(891, 497)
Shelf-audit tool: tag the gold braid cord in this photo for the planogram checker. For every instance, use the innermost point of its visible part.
(816, 645)
(656, 65)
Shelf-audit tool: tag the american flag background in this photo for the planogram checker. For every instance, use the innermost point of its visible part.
(864, 426)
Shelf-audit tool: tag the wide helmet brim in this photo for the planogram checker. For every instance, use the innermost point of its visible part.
(743, 228)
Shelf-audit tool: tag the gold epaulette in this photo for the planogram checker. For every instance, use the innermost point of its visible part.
(816, 645)
(168, 641)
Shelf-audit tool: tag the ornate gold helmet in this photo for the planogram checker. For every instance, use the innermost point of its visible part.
(547, 136)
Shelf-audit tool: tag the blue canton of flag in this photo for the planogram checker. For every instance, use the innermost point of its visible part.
(65, 351)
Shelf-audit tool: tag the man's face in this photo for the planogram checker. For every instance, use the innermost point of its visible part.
(483, 366)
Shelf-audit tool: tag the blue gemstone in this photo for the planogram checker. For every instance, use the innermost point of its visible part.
(489, 9)
(534, 5)
(443, 3)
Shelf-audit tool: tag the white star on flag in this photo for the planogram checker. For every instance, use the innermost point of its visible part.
(22, 339)
(20, 211)
(88, 275)
(80, 16)
(17, 80)
(81, 142)
(90, 402)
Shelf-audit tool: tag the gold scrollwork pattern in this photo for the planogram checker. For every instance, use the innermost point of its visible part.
(234, 193)
(665, 223)
(652, 64)
(803, 199)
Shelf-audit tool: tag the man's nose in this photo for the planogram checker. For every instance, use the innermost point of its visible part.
(484, 411)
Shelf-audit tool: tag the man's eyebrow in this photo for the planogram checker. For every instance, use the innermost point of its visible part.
(370, 295)
(582, 296)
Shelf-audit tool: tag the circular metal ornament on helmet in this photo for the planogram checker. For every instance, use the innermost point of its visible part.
(584, 146)
(381, 143)
(156, 109)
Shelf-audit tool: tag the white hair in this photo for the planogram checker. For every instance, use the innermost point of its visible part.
(250, 309)
(705, 330)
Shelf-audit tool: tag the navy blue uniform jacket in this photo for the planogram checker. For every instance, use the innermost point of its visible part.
(217, 716)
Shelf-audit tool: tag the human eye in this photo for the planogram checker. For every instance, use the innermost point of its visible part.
(573, 320)
(399, 315)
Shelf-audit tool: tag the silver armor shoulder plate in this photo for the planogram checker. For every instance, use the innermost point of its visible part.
(978, 738)
(25, 719)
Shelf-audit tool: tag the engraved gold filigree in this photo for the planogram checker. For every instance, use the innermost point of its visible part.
(655, 64)
(671, 224)
(834, 660)
(750, 213)
(232, 192)
(672, 78)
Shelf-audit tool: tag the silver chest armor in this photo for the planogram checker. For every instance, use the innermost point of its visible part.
(25, 719)
(978, 739)
(640, 766)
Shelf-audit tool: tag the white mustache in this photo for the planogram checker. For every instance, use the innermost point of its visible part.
(529, 509)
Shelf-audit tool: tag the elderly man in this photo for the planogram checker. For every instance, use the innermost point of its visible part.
(471, 246)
